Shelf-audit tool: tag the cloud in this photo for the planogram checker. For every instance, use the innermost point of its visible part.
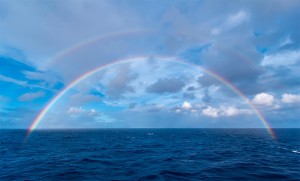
(186, 105)
(64, 18)
(155, 107)
(290, 98)
(103, 118)
(92, 111)
(235, 31)
(166, 85)
(286, 41)
(263, 99)
(80, 110)
(132, 105)
(231, 22)
(75, 110)
(11, 80)
(81, 99)
(119, 84)
(31, 96)
(45, 79)
(211, 112)
(283, 58)
(232, 111)
(24, 84)
(225, 111)
(189, 95)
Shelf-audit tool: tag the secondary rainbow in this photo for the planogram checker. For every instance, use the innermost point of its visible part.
(88, 42)
(52, 102)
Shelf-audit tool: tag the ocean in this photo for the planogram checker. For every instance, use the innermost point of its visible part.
(150, 154)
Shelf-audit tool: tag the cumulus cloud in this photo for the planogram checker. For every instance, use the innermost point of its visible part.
(232, 111)
(263, 99)
(166, 85)
(80, 110)
(31, 96)
(290, 98)
(229, 111)
(186, 105)
(75, 110)
(92, 111)
(283, 58)
(211, 112)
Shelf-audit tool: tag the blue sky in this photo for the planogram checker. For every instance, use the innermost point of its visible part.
(45, 45)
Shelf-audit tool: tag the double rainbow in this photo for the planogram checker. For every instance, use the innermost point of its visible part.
(84, 76)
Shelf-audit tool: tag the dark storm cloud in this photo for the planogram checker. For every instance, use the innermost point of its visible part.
(166, 85)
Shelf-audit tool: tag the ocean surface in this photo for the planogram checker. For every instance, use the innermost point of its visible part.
(150, 154)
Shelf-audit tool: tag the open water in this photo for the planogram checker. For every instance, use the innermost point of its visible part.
(150, 154)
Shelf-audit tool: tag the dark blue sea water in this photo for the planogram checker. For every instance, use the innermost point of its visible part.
(150, 154)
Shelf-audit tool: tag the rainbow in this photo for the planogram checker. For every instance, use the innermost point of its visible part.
(84, 76)
(90, 41)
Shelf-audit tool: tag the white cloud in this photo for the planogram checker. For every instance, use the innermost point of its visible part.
(31, 96)
(76, 110)
(186, 105)
(92, 112)
(225, 111)
(211, 112)
(290, 98)
(80, 110)
(233, 111)
(263, 99)
(11, 80)
(231, 22)
(20, 82)
(285, 42)
(285, 58)
(194, 111)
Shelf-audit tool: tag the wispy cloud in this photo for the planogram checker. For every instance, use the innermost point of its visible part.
(285, 58)
(31, 96)
(12, 80)
(290, 98)
(231, 22)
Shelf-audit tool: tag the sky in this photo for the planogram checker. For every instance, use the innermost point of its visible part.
(155, 64)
